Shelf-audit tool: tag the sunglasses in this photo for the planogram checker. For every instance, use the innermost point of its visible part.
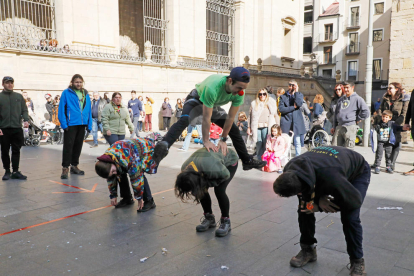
(338, 89)
(291, 84)
(262, 94)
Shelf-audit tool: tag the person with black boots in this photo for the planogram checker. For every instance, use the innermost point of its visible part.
(328, 179)
(132, 157)
(206, 101)
(208, 169)
(12, 109)
(75, 116)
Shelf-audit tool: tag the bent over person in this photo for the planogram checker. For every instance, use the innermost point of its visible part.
(206, 101)
(327, 179)
(132, 157)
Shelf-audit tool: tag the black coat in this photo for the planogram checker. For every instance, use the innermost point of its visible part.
(410, 112)
(291, 118)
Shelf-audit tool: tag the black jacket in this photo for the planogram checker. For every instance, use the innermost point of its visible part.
(12, 109)
(330, 171)
(410, 112)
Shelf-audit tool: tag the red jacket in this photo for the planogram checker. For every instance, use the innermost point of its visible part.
(215, 131)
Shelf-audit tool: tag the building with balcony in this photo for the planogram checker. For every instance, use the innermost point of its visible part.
(155, 47)
(340, 39)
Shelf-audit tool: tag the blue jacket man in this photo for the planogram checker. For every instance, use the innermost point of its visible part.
(75, 116)
(292, 119)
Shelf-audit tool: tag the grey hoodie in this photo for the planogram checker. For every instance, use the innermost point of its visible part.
(349, 110)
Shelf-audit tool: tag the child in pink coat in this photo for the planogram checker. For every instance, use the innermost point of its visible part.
(275, 147)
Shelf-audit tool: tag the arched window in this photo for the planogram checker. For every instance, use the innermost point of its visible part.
(23, 23)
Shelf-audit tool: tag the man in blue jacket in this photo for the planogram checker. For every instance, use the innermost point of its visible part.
(75, 116)
(292, 119)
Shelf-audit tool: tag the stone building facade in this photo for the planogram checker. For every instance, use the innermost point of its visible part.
(160, 48)
(402, 43)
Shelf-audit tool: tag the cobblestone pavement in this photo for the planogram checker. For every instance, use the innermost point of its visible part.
(75, 232)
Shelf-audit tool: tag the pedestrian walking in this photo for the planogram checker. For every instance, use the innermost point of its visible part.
(75, 117)
(262, 118)
(386, 136)
(13, 110)
(98, 105)
(215, 91)
(206, 169)
(131, 158)
(292, 116)
(115, 117)
(166, 113)
(327, 179)
(136, 108)
(351, 109)
(148, 113)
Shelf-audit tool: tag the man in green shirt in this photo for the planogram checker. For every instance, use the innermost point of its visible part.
(206, 101)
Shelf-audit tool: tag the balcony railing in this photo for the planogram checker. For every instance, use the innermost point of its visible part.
(328, 38)
(379, 75)
(352, 76)
(353, 49)
(352, 23)
(324, 60)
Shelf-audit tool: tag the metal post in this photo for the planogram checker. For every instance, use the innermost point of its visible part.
(368, 70)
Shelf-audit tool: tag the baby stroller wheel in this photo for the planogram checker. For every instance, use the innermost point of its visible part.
(320, 138)
(35, 142)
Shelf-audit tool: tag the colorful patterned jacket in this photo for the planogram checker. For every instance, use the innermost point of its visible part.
(132, 156)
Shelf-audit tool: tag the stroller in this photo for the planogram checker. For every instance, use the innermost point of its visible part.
(317, 136)
(43, 132)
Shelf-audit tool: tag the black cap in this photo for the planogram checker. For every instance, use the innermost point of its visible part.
(240, 74)
(7, 78)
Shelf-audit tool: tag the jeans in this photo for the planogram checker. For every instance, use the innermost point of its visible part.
(148, 122)
(222, 198)
(381, 147)
(136, 128)
(125, 192)
(139, 125)
(187, 139)
(297, 143)
(261, 142)
(72, 145)
(12, 137)
(114, 138)
(351, 222)
(192, 109)
(214, 141)
(95, 127)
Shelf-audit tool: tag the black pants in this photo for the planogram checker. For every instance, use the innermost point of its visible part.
(166, 122)
(72, 145)
(222, 198)
(351, 222)
(126, 192)
(389, 152)
(12, 137)
(193, 109)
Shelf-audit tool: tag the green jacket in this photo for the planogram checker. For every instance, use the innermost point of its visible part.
(114, 121)
(12, 109)
(211, 164)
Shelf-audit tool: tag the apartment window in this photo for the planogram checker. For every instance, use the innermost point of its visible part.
(378, 35)
(327, 55)
(328, 32)
(308, 14)
(327, 73)
(354, 17)
(352, 70)
(353, 46)
(379, 8)
(377, 69)
(307, 45)
(220, 39)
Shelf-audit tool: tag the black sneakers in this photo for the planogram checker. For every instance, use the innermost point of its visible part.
(124, 202)
(6, 175)
(148, 205)
(253, 164)
(224, 228)
(207, 221)
(18, 175)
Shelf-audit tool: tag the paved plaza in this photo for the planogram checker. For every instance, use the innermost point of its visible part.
(70, 229)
